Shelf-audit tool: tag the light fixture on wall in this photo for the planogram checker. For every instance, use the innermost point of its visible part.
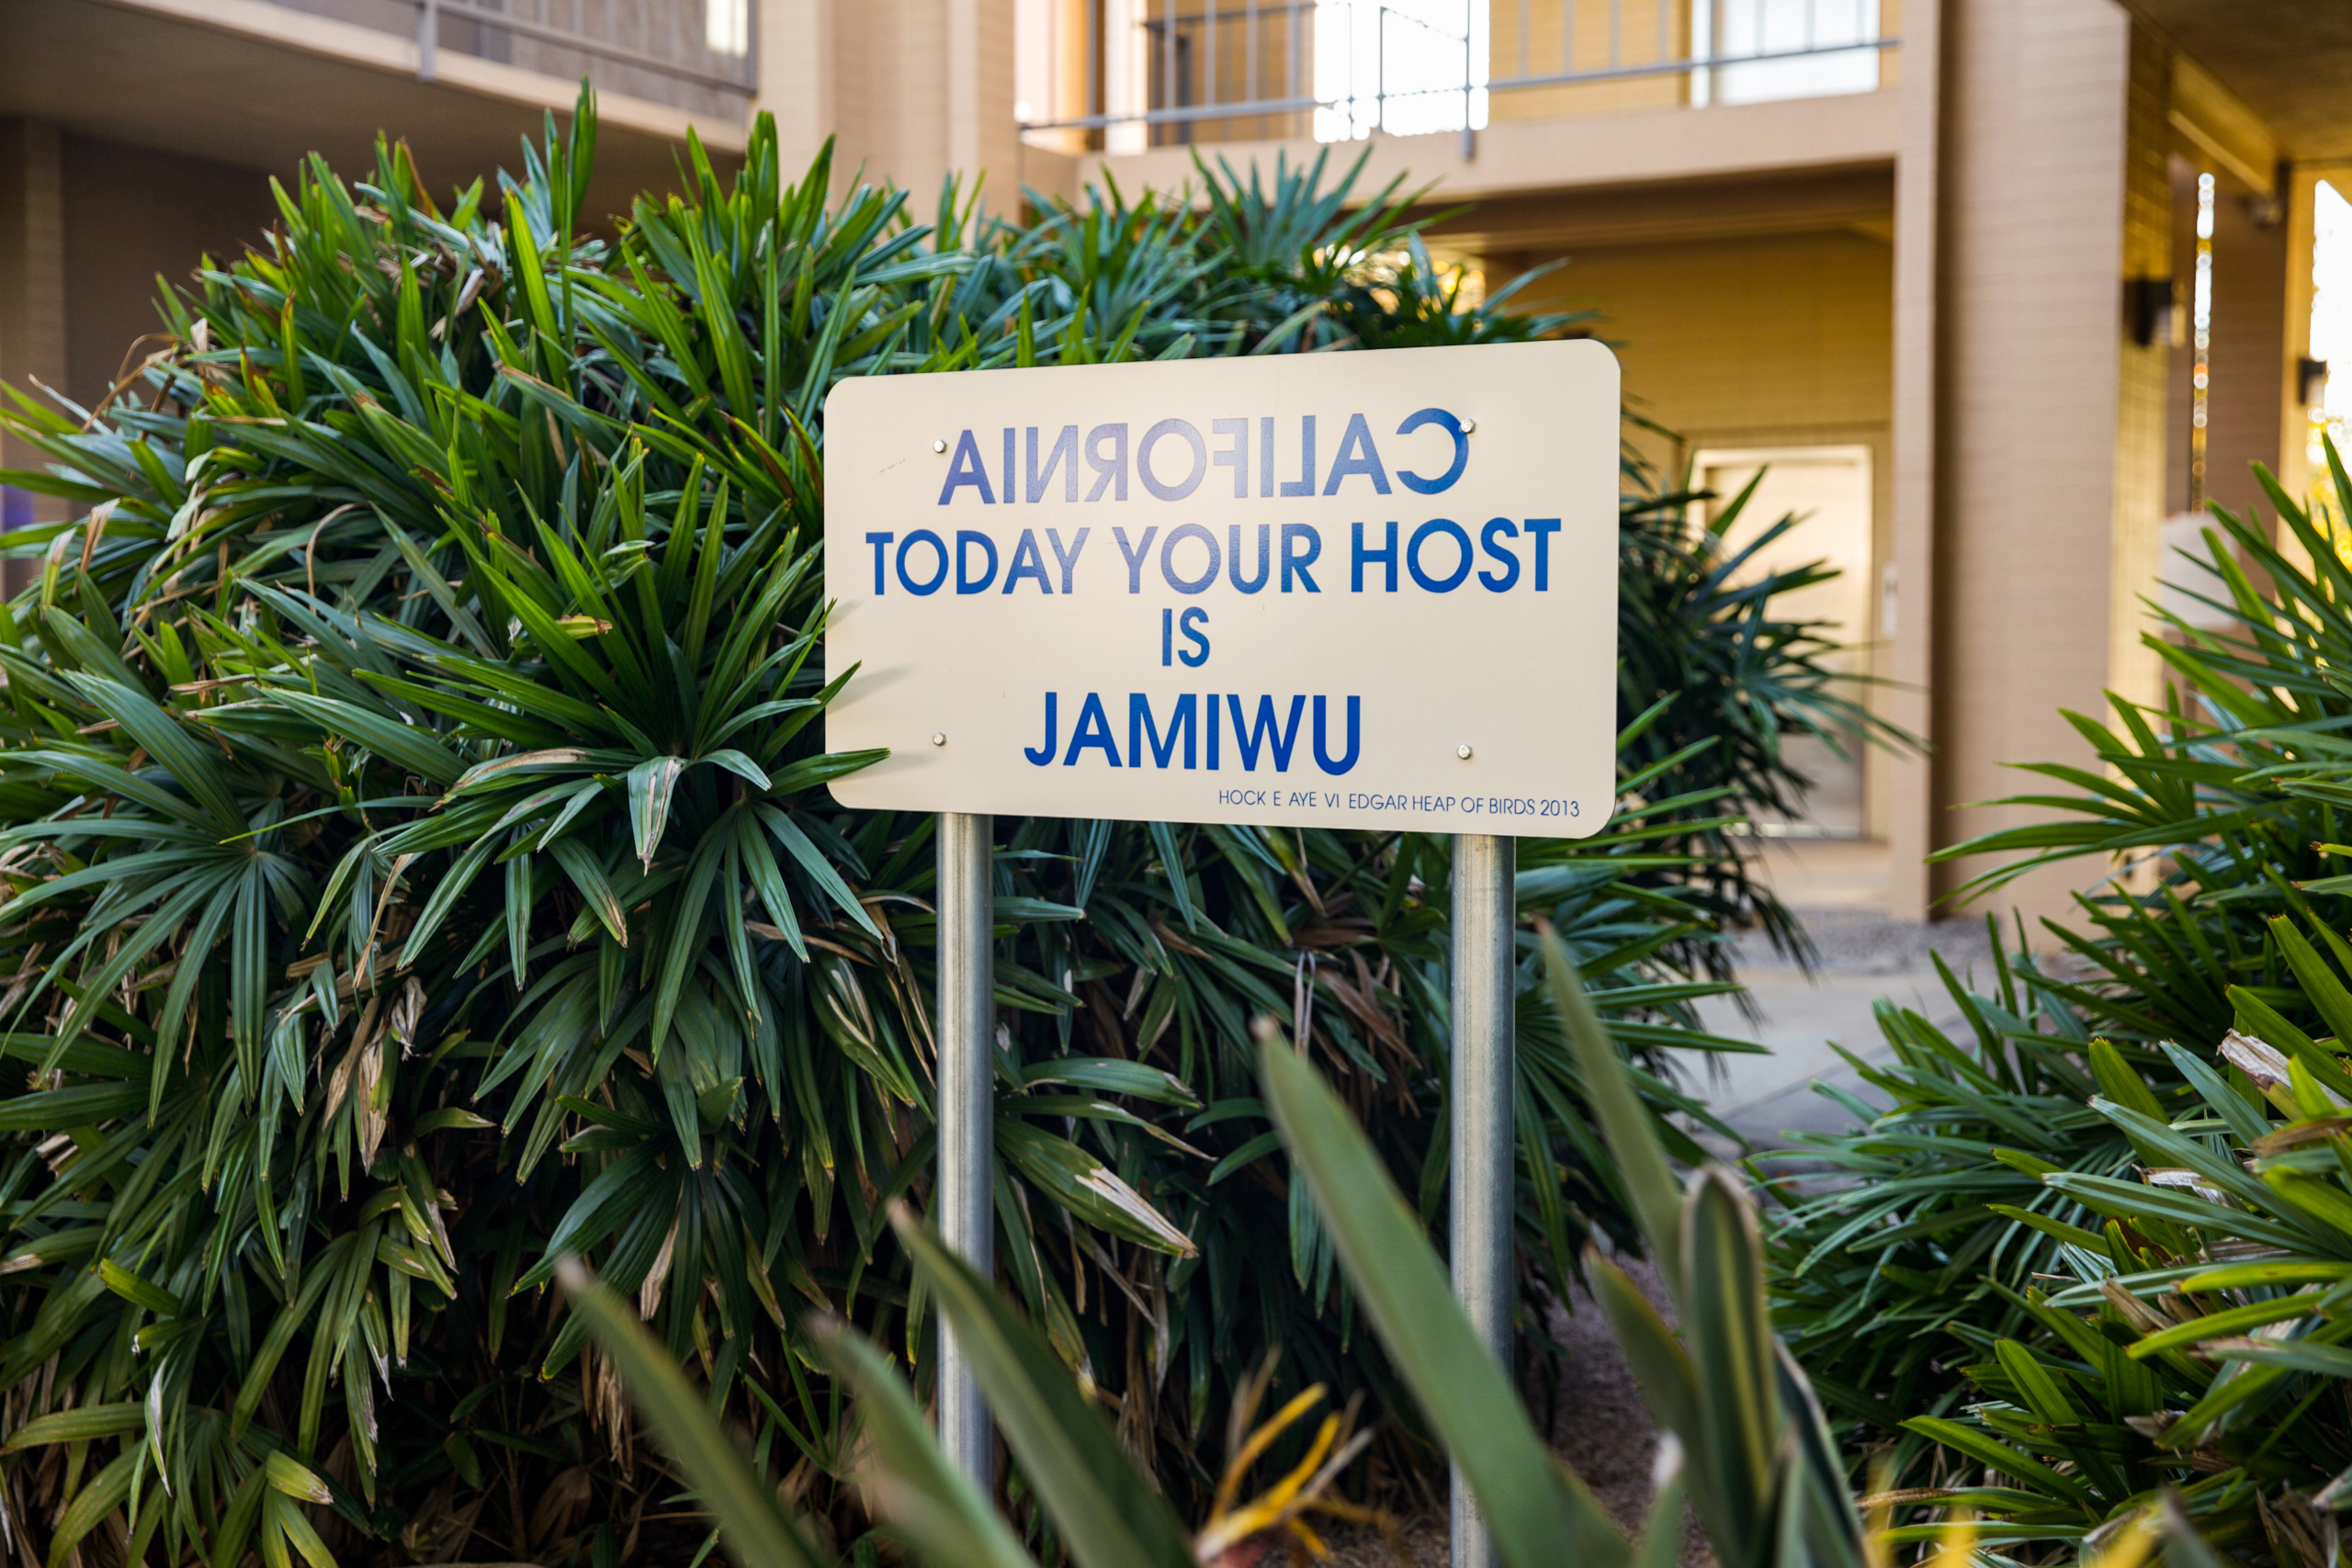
(2152, 305)
(2311, 380)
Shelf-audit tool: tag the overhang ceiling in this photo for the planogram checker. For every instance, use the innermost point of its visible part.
(120, 72)
(1810, 201)
(2289, 61)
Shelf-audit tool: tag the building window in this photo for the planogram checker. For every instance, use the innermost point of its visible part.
(1406, 67)
(727, 26)
(1787, 48)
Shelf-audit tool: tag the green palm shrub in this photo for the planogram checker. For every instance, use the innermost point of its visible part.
(1747, 1444)
(2192, 1338)
(2180, 1332)
(1922, 1222)
(2100, 1128)
(419, 869)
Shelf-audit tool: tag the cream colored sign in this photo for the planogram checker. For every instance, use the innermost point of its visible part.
(1371, 590)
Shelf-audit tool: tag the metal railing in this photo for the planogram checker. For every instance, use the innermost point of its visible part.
(1123, 75)
(698, 55)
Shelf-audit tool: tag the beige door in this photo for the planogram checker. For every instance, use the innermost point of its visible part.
(1829, 489)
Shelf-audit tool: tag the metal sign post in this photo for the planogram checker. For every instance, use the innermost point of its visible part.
(1485, 939)
(967, 1159)
(1371, 592)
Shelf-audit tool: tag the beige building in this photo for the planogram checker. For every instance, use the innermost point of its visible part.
(1991, 287)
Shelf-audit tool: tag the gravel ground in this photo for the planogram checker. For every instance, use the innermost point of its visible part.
(1602, 1431)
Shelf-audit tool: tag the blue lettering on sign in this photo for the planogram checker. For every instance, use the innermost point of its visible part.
(965, 581)
(1067, 559)
(1189, 623)
(1323, 757)
(1304, 483)
(1063, 455)
(1421, 534)
(1270, 736)
(1235, 457)
(966, 469)
(1494, 582)
(922, 536)
(1137, 556)
(1265, 558)
(1109, 467)
(1452, 427)
(1295, 560)
(1439, 555)
(1357, 456)
(1540, 530)
(1248, 741)
(1141, 727)
(1041, 755)
(1027, 562)
(1359, 556)
(1183, 431)
(1093, 728)
(1029, 459)
(1176, 580)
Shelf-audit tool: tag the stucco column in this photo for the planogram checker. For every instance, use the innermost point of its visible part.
(1907, 580)
(916, 89)
(797, 41)
(2028, 338)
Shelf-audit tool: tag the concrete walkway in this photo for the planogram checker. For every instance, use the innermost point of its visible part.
(1838, 891)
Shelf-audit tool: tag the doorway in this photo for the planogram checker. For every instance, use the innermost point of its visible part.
(1829, 488)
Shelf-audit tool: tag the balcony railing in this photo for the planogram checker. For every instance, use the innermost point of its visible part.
(696, 55)
(1120, 75)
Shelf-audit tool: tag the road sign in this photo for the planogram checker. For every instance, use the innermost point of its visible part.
(1347, 591)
